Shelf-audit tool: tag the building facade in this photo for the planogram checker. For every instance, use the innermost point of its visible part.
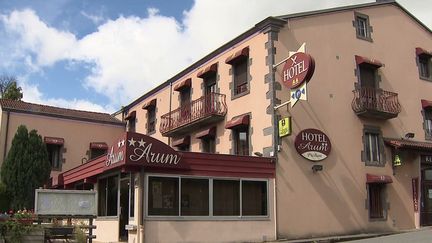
(351, 86)
(72, 137)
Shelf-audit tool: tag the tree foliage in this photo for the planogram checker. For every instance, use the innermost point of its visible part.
(9, 88)
(26, 168)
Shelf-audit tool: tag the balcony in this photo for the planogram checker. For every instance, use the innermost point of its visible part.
(207, 109)
(375, 103)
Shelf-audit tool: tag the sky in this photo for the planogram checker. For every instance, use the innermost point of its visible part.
(100, 55)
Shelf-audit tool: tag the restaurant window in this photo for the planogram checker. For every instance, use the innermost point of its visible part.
(425, 66)
(206, 197)
(254, 198)
(132, 196)
(428, 122)
(194, 197)
(240, 77)
(362, 25)
(373, 153)
(108, 196)
(163, 196)
(376, 201)
(54, 155)
(151, 120)
(241, 140)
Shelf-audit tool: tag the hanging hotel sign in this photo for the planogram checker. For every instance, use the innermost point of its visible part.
(298, 69)
(139, 149)
(285, 127)
(313, 144)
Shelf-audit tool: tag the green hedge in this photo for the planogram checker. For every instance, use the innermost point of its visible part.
(4, 199)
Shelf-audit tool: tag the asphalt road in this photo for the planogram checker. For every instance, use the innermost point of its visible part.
(420, 236)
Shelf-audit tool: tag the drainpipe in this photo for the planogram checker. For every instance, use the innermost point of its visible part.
(170, 107)
(6, 137)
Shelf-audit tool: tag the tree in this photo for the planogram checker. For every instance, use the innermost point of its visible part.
(26, 168)
(9, 88)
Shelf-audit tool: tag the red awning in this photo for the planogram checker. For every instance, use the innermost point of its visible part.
(150, 104)
(98, 145)
(383, 179)
(183, 85)
(239, 55)
(237, 122)
(53, 140)
(184, 141)
(208, 70)
(408, 144)
(366, 61)
(131, 115)
(421, 51)
(426, 104)
(207, 133)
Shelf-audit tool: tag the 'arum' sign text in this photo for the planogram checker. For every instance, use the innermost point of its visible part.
(313, 144)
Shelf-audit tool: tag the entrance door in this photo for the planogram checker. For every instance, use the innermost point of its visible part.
(426, 197)
(124, 208)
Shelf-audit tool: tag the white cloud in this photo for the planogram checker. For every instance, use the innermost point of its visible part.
(130, 55)
(96, 19)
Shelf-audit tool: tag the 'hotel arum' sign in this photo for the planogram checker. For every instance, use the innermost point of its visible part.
(312, 144)
(298, 68)
(141, 150)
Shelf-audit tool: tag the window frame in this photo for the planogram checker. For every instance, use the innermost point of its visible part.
(427, 122)
(131, 125)
(116, 174)
(234, 87)
(367, 27)
(236, 139)
(210, 143)
(211, 216)
(59, 148)
(151, 119)
(382, 187)
(427, 64)
(380, 147)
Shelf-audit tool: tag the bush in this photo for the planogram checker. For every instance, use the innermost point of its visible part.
(4, 198)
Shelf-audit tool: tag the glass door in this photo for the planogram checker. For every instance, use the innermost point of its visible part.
(426, 197)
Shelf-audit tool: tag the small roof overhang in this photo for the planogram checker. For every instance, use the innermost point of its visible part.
(207, 133)
(98, 145)
(420, 51)
(184, 141)
(426, 104)
(239, 55)
(408, 144)
(239, 121)
(54, 140)
(131, 115)
(207, 71)
(367, 61)
(150, 104)
(187, 83)
(378, 179)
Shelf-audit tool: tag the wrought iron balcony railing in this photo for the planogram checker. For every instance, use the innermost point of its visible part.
(375, 103)
(206, 109)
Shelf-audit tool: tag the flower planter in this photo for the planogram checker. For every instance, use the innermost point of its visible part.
(34, 236)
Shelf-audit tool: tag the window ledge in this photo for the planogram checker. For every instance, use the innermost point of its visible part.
(207, 218)
(426, 78)
(377, 219)
(240, 95)
(151, 133)
(364, 38)
(107, 218)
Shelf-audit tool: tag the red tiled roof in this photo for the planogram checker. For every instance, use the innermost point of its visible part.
(44, 110)
(408, 144)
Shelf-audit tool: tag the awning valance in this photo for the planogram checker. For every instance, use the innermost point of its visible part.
(236, 122)
(239, 55)
(53, 140)
(98, 145)
(381, 179)
(367, 61)
(426, 104)
(408, 144)
(150, 104)
(187, 83)
(184, 141)
(212, 69)
(207, 133)
(421, 51)
(131, 115)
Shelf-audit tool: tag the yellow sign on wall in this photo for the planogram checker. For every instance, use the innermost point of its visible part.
(285, 127)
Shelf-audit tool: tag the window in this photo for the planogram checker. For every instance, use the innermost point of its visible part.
(206, 197)
(151, 120)
(194, 197)
(362, 25)
(97, 152)
(226, 198)
(368, 76)
(54, 155)
(373, 152)
(107, 196)
(131, 125)
(208, 145)
(241, 140)
(425, 66)
(240, 77)
(428, 122)
(132, 196)
(376, 201)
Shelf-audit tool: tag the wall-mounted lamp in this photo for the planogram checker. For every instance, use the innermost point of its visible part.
(259, 154)
(316, 168)
(409, 135)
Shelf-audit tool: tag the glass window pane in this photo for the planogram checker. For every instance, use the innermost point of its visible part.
(194, 197)
(428, 175)
(132, 196)
(102, 197)
(112, 195)
(163, 196)
(226, 198)
(254, 198)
